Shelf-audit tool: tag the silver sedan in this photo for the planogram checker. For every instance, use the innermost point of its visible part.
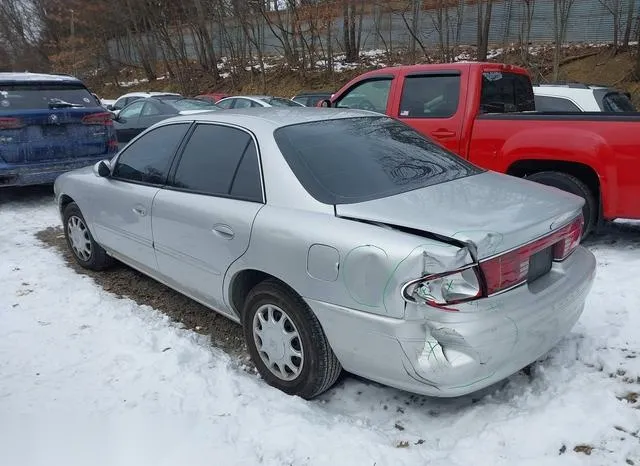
(340, 239)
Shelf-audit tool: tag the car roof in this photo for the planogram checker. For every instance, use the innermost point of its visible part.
(147, 94)
(39, 77)
(276, 117)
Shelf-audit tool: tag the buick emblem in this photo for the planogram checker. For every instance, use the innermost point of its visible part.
(53, 119)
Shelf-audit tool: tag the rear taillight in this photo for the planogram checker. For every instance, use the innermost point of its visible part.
(511, 268)
(444, 289)
(11, 123)
(104, 119)
(493, 275)
(572, 235)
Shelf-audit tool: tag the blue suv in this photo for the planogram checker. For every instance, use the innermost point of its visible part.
(49, 124)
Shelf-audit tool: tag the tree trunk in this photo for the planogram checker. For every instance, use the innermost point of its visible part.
(629, 24)
(484, 25)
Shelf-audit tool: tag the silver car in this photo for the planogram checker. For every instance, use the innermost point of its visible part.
(340, 239)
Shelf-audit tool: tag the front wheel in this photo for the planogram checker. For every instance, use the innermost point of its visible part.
(286, 341)
(86, 251)
(573, 185)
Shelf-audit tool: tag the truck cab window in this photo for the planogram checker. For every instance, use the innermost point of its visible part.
(370, 95)
(506, 92)
(430, 96)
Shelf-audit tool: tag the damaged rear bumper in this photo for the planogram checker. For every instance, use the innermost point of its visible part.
(42, 172)
(447, 354)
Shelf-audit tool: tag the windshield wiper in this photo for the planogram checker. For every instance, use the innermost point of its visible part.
(63, 104)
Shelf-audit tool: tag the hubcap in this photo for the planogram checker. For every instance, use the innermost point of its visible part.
(79, 238)
(278, 342)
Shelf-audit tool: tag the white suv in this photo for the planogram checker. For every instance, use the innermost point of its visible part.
(576, 97)
(126, 99)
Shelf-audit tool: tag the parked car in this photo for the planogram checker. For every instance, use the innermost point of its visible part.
(106, 103)
(577, 97)
(126, 99)
(49, 124)
(310, 98)
(142, 113)
(212, 97)
(350, 241)
(247, 101)
(484, 112)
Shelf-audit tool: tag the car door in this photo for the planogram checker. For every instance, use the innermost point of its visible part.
(202, 219)
(430, 102)
(127, 122)
(123, 207)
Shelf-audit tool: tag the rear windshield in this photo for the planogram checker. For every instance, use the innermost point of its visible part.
(506, 92)
(617, 102)
(31, 96)
(191, 104)
(352, 160)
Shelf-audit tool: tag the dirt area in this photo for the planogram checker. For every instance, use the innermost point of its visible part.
(126, 282)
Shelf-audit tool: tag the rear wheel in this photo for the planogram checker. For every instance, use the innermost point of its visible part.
(573, 185)
(86, 251)
(286, 341)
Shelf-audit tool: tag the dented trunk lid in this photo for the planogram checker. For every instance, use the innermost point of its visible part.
(494, 212)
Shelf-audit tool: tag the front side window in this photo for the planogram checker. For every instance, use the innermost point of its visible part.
(343, 161)
(430, 96)
(506, 92)
(243, 103)
(227, 103)
(370, 95)
(220, 161)
(150, 109)
(148, 159)
(132, 111)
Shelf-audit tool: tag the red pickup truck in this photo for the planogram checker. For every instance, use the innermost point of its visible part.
(485, 112)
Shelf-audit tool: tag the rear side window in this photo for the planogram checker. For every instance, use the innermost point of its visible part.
(350, 160)
(44, 95)
(220, 161)
(617, 102)
(555, 104)
(430, 96)
(148, 159)
(506, 92)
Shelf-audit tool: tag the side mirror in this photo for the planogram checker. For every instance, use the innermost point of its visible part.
(110, 107)
(324, 103)
(102, 169)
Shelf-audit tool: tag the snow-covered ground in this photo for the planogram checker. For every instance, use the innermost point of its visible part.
(87, 378)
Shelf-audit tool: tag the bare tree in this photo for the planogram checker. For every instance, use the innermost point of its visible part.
(447, 23)
(352, 34)
(484, 25)
(631, 8)
(528, 8)
(614, 8)
(561, 13)
(413, 28)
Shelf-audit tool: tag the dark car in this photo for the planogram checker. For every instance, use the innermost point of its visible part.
(311, 99)
(49, 124)
(142, 113)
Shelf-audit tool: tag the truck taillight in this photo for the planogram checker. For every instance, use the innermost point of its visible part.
(103, 119)
(11, 123)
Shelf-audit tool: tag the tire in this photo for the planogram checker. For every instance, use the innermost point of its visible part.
(572, 185)
(309, 375)
(89, 254)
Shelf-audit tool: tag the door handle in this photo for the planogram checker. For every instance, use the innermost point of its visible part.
(443, 133)
(224, 231)
(140, 211)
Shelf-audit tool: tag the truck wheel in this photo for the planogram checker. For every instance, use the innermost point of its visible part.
(86, 251)
(286, 342)
(572, 185)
